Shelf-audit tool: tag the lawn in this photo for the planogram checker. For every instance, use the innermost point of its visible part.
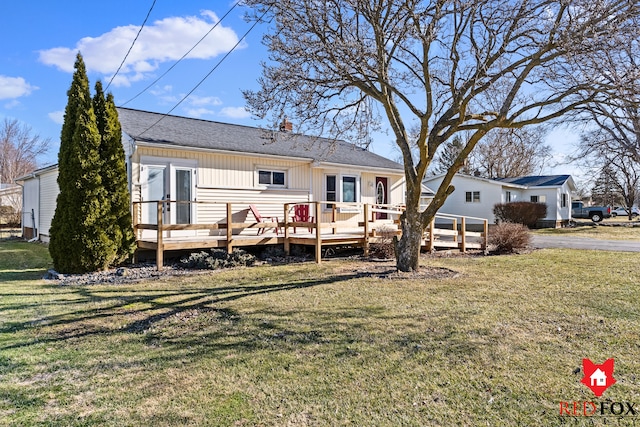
(498, 343)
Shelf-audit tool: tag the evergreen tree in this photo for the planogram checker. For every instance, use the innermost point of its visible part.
(604, 191)
(79, 242)
(448, 155)
(114, 175)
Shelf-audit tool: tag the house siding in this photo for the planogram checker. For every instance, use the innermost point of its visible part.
(48, 194)
(30, 205)
(456, 203)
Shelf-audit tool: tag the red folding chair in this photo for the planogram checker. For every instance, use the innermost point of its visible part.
(260, 218)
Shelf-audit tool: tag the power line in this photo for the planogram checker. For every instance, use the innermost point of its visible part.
(183, 56)
(207, 75)
(132, 44)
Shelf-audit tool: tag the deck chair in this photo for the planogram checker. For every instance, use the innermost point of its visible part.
(260, 218)
(301, 214)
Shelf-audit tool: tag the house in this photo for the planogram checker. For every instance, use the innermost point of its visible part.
(193, 160)
(475, 196)
(39, 193)
(598, 378)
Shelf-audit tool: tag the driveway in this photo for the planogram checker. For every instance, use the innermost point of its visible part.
(584, 243)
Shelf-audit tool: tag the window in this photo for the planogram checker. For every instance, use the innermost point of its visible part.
(349, 189)
(563, 202)
(341, 189)
(472, 197)
(267, 177)
(539, 199)
(331, 190)
(508, 196)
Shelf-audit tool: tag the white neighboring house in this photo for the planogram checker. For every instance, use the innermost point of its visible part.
(476, 197)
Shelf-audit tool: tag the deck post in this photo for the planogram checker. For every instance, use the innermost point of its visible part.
(486, 235)
(366, 229)
(318, 242)
(334, 215)
(287, 248)
(455, 229)
(432, 235)
(159, 243)
(229, 228)
(463, 235)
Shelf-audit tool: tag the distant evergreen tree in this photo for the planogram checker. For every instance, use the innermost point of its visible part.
(604, 191)
(114, 175)
(79, 241)
(448, 154)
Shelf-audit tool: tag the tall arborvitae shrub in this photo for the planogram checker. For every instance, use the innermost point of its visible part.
(79, 242)
(114, 176)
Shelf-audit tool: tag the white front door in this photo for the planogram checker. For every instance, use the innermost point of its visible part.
(154, 187)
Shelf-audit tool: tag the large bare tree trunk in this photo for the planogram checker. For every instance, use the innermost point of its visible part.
(408, 246)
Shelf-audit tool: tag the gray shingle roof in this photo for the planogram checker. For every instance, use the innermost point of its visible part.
(537, 181)
(204, 134)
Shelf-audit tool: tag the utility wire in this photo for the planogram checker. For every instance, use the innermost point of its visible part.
(132, 44)
(183, 56)
(208, 74)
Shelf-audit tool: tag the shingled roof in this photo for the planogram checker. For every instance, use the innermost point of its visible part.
(537, 181)
(154, 128)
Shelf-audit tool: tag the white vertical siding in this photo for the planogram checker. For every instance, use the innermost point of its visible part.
(30, 194)
(48, 194)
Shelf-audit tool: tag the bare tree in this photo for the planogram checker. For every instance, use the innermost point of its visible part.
(612, 141)
(444, 66)
(509, 152)
(20, 148)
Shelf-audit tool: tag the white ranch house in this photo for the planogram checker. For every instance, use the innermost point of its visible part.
(476, 197)
(191, 160)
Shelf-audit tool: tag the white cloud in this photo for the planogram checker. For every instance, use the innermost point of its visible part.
(235, 112)
(57, 116)
(199, 112)
(14, 87)
(165, 40)
(196, 100)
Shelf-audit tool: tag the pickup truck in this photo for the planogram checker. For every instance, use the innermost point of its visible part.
(596, 213)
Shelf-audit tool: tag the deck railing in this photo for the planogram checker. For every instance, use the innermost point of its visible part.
(329, 223)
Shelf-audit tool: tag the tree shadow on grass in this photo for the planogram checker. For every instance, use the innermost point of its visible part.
(147, 308)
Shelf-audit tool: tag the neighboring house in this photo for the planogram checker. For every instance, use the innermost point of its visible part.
(185, 159)
(476, 197)
(10, 203)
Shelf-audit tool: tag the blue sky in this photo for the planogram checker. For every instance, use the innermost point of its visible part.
(40, 39)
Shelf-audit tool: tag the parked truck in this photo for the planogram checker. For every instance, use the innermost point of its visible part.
(596, 213)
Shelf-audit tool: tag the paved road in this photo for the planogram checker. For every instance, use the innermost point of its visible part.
(584, 243)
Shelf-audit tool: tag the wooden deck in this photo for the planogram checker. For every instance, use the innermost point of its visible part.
(363, 229)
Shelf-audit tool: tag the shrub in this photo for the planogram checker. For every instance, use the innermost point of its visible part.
(507, 237)
(218, 258)
(525, 213)
(384, 248)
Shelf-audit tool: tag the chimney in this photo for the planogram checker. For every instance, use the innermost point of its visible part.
(286, 125)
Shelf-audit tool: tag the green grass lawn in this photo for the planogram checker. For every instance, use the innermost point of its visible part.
(302, 344)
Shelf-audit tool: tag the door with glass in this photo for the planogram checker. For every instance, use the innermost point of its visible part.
(182, 210)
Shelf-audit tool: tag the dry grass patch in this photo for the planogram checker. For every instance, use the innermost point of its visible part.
(341, 343)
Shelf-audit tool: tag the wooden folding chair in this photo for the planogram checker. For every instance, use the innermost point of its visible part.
(301, 214)
(260, 218)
